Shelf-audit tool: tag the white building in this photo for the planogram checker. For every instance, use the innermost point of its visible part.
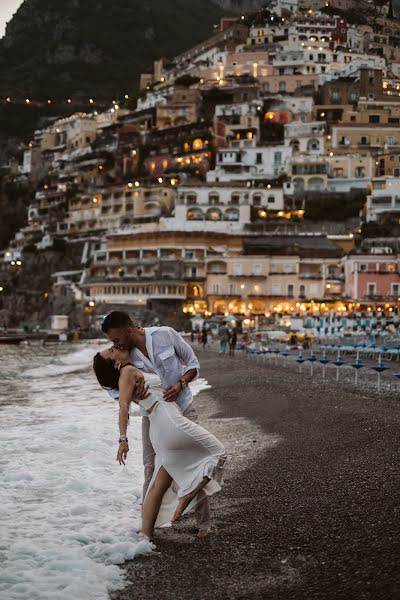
(223, 207)
(258, 162)
(281, 7)
(305, 138)
(383, 199)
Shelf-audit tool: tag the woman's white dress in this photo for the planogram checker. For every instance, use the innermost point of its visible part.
(187, 451)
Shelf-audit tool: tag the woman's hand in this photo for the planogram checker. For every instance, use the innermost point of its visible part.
(122, 453)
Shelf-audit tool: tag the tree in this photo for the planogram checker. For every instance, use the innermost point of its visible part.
(376, 8)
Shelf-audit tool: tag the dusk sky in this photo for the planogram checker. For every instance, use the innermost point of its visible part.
(7, 9)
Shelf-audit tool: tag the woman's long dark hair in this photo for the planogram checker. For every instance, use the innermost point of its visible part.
(107, 375)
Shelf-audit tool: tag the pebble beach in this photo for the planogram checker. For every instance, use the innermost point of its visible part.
(309, 509)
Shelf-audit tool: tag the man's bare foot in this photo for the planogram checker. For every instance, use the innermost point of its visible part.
(182, 506)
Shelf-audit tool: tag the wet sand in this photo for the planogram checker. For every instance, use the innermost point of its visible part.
(310, 505)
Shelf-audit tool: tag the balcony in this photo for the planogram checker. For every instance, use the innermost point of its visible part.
(310, 275)
(247, 276)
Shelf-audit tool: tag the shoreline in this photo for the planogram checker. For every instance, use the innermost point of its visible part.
(308, 509)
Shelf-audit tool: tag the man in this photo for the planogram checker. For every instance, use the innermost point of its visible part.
(223, 333)
(163, 351)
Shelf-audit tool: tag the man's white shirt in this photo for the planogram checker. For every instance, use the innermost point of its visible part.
(170, 357)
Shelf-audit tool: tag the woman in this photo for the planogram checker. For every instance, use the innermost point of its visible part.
(185, 452)
(232, 342)
(204, 336)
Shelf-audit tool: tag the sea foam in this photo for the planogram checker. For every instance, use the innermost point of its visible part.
(68, 510)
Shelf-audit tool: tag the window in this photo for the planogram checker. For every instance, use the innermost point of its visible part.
(277, 158)
(257, 269)
(259, 158)
(235, 200)
(282, 86)
(391, 141)
(374, 119)
(360, 172)
(302, 291)
(271, 199)
(363, 268)
(232, 289)
(335, 96)
(216, 288)
(213, 199)
(237, 269)
(276, 289)
(364, 140)
(257, 200)
(371, 289)
(290, 290)
(395, 289)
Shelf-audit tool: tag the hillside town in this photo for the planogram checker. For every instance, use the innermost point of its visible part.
(256, 176)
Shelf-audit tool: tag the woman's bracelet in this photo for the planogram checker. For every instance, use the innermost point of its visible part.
(123, 438)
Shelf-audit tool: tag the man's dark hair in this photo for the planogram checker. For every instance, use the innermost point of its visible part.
(116, 320)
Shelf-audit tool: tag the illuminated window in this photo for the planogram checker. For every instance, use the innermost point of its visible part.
(391, 268)
(186, 147)
(165, 164)
(198, 144)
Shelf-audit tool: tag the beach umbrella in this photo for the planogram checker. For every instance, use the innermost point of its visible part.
(300, 360)
(359, 364)
(383, 321)
(380, 368)
(339, 362)
(312, 358)
(324, 361)
(396, 319)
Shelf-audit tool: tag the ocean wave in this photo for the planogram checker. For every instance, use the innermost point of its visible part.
(62, 364)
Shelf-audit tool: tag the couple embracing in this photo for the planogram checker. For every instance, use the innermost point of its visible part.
(183, 463)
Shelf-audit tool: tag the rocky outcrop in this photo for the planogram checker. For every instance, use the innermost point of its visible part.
(241, 6)
(54, 48)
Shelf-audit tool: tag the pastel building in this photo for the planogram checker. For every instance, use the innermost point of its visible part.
(373, 276)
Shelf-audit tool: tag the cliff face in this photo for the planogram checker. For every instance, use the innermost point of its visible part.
(81, 48)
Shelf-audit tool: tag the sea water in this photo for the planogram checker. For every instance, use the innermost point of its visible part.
(68, 510)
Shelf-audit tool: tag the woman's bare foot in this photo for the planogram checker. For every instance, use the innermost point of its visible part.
(202, 533)
(182, 506)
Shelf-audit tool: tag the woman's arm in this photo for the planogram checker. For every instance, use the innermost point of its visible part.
(127, 382)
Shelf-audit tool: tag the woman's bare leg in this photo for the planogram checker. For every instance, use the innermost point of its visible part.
(186, 500)
(152, 502)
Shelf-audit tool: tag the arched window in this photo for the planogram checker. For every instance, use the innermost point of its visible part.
(195, 214)
(213, 199)
(198, 144)
(231, 214)
(214, 214)
(313, 145)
